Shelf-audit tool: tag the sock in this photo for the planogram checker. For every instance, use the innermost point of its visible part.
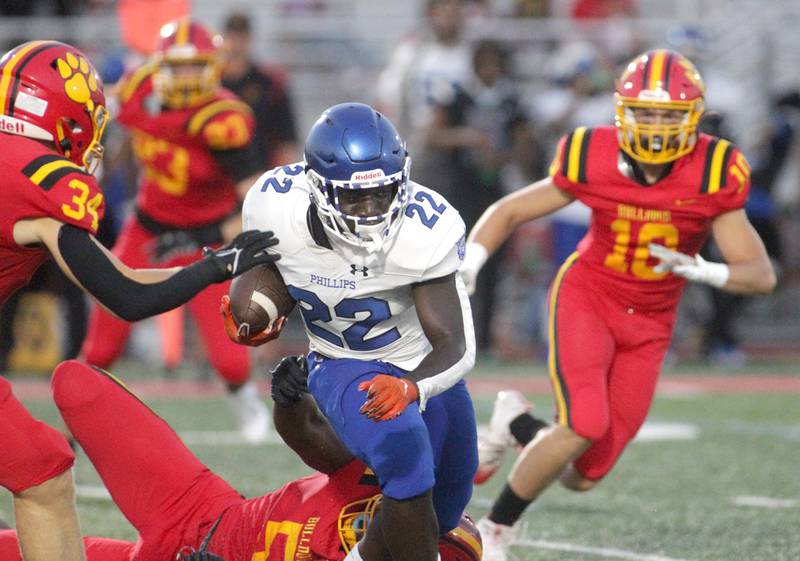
(354, 555)
(508, 507)
(525, 427)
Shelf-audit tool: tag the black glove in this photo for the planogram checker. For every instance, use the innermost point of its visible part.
(247, 250)
(289, 380)
(173, 244)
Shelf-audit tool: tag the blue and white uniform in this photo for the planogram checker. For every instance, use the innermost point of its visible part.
(360, 318)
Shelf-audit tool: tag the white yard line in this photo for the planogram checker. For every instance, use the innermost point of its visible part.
(609, 552)
(764, 502)
(222, 438)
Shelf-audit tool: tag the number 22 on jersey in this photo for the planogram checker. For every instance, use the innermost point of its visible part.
(647, 232)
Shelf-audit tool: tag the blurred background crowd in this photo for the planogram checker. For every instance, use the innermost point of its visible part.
(481, 90)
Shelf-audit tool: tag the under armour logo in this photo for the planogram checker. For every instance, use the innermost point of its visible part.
(354, 270)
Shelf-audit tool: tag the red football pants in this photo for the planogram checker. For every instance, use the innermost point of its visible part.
(107, 334)
(31, 452)
(604, 362)
(163, 490)
(97, 549)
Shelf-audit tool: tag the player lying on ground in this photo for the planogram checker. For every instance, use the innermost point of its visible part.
(52, 120)
(175, 502)
(657, 189)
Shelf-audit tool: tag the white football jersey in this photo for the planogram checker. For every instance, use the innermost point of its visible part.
(357, 304)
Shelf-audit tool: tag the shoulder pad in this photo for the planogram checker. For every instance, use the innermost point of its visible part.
(430, 229)
(71, 194)
(726, 174)
(278, 201)
(571, 155)
(227, 121)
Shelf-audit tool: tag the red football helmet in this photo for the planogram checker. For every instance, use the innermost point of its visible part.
(50, 91)
(187, 64)
(462, 543)
(659, 101)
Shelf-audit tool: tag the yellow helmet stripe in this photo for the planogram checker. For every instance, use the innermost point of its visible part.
(561, 394)
(467, 537)
(182, 34)
(7, 77)
(656, 78)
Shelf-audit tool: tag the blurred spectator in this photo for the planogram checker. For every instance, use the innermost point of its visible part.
(264, 89)
(721, 344)
(40, 7)
(425, 68)
(473, 129)
(603, 9)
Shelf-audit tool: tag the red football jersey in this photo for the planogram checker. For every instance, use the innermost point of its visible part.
(300, 520)
(181, 183)
(38, 183)
(677, 211)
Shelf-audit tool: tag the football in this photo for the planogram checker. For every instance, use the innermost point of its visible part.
(259, 297)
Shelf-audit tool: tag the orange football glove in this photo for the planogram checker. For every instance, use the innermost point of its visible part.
(387, 396)
(241, 333)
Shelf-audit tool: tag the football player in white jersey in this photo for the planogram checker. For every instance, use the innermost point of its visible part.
(372, 258)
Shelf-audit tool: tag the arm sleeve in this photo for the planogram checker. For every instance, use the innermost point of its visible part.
(239, 163)
(125, 297)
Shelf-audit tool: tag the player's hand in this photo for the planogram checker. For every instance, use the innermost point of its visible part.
(247, 250)
(241, 333)
(173, 244)
(695, 269)
(387, 396)
(289, 380)
(476, 256)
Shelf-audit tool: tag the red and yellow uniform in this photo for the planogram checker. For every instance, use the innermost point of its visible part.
(173, 500)
(38, 183)
(191, 159)
(608, 293)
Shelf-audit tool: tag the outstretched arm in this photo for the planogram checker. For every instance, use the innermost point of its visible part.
(498, 222)
(750, 270)
(134, 294)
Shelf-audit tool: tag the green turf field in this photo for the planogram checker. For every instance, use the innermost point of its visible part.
(726, 488)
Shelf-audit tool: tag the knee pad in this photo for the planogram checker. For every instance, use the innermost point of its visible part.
(74, 383)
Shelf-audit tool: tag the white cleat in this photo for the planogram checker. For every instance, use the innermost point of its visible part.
(255, 423)
(496, 539)
(497, 438)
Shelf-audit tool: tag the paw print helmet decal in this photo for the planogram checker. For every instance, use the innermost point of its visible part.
(51, 92)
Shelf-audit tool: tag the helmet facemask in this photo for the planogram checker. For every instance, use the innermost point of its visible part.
(182, 82)
(662, 142)
(365, 211)
(355, 518)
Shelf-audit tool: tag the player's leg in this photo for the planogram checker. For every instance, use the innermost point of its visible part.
(450, 419)
(35, 466)
(578, 375)
(631, 386)
(157, 483)
(107, 334)
(398, 451)
(232, 362)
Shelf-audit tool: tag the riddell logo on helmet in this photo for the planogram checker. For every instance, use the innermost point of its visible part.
(367, 175)
(12, 126)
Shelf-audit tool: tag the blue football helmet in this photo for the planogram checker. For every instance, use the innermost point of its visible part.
(357, 167)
